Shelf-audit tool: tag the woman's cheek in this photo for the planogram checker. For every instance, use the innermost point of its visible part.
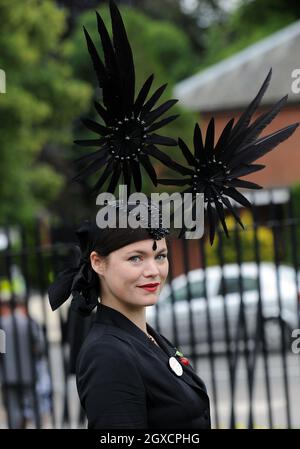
(165, 271)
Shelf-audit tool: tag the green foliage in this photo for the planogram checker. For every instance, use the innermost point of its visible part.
(41, 100)
(295, 191)
(246, 239)
(293, 228)
(248, 24)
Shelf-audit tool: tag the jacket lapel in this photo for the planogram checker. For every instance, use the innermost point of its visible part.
(189, 376)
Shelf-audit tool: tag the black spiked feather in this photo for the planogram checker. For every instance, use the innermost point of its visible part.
(215, 169)
(126, 135)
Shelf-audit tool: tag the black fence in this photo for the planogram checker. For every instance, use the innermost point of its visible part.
(235, 315)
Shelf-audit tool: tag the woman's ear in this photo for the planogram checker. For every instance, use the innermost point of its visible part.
(97, 262)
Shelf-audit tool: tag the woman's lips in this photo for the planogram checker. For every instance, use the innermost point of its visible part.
(150, 288)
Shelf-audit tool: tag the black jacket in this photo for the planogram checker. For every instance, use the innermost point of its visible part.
(124, 379)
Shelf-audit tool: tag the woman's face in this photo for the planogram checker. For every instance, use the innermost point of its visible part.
(126, 270)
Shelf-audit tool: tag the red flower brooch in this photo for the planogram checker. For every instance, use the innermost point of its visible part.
(181, 358)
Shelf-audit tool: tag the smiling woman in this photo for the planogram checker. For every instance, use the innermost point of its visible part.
(128, 375)
(131, 277)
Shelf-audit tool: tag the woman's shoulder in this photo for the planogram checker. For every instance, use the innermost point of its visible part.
(105, 343)
(108, 358)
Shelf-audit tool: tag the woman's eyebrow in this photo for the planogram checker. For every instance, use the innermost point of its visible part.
(143, 253)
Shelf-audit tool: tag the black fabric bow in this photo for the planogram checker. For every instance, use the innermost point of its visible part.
(78, 280)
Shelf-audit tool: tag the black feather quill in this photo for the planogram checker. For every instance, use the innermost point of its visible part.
(214, 169)
(126, 134)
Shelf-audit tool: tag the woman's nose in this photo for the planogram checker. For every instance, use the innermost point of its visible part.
(151, 269)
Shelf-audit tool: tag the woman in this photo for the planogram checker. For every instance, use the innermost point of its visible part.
(128, 375)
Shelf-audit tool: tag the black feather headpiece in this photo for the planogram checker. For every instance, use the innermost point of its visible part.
(126, 136)
(214, 169)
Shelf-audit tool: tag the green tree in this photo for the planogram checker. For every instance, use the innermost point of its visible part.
(42, 98)
(250, 22)
(192, 19)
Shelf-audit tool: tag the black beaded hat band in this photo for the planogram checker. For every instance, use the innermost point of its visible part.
(150, 218)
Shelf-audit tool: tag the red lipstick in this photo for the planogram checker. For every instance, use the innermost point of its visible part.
(150, 287)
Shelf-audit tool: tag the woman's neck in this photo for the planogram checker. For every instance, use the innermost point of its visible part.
(136, 314)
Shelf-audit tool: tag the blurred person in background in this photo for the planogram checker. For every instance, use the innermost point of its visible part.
(24, 375)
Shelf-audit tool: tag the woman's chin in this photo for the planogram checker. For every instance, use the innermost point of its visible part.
(149, 300)
(152, 301)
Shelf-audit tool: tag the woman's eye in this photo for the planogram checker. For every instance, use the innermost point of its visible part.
(138, 258)
(163, 256)
(133, 258)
